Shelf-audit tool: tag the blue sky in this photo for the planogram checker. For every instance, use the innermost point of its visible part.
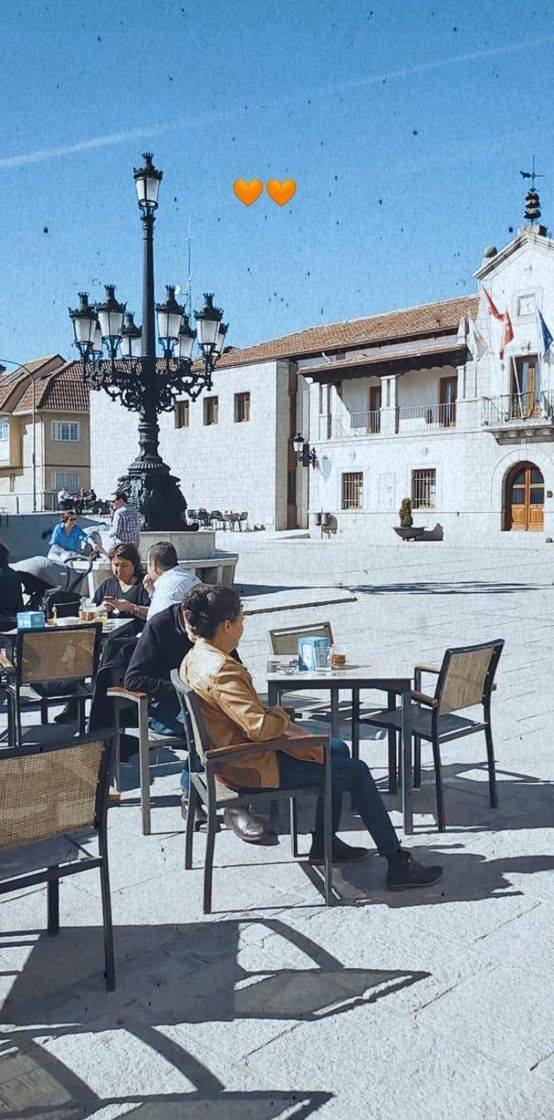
(404, 123)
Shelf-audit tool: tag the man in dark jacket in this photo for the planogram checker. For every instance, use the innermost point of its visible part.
(161, 648)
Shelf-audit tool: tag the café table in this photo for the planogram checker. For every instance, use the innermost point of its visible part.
(114, 627)
(354, 678)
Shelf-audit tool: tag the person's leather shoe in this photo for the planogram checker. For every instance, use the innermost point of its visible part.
(405, 872)
(341, 852)
(247, 826)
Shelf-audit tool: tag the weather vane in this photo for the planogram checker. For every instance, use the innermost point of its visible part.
(532, 201)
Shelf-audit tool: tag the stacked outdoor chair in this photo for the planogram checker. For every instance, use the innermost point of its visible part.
(206, 789)
(464, 680)
(68, 656)
(53, 802)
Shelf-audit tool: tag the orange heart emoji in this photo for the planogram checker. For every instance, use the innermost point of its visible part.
(281, 193)
(248, 192)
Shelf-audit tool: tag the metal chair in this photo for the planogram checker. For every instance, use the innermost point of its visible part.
(67, 654)
(243, 518)
(214, 794)
(48, 793)
(464, 680)
(147, 740)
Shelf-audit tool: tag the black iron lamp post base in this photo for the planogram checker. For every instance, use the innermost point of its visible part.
(155, 492)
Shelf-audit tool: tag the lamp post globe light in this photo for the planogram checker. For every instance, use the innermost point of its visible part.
(120, 358)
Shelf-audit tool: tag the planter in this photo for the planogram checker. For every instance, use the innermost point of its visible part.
(418, 533)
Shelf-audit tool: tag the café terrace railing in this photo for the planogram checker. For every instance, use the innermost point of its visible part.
(517, 408)
(409, 418)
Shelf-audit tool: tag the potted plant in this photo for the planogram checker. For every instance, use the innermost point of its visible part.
(405, 513)
(407, 529)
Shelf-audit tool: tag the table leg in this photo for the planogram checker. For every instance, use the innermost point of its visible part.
(273, 694)
(355, 723)
(335, 714)
(391, 735)
(407, 806)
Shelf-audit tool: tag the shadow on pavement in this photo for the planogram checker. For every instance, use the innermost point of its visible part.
(167, 976)
(454, 587)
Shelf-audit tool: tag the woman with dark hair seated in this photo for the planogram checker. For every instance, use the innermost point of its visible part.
(124, 591)
(234, 712)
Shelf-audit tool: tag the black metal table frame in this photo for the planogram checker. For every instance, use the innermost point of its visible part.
(279, 684)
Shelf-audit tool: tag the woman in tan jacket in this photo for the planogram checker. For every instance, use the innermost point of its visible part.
(233, 713)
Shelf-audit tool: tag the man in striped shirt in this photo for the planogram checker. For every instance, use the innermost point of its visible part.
(125, 523)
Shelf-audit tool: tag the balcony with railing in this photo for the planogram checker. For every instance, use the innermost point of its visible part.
(425, 417)
(407, 419)
(517, 410)
(351, 425)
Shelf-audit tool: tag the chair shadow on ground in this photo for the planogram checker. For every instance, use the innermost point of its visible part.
(446, 587)
(167, 976)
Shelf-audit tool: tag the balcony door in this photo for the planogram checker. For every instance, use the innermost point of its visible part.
(525, 498)
(526, 394)
(374, 418)
(448, 392)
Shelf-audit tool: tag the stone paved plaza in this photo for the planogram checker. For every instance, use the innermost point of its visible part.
(430, 1004)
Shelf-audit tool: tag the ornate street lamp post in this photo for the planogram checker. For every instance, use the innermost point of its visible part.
(120, 358)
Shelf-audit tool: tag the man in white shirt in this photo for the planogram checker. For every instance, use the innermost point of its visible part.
(166, 582)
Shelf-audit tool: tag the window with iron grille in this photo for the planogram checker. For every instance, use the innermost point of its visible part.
(424, 488)
(242, 407)
(352, 490)
(211, 410)
(182, 414)
(65, 431)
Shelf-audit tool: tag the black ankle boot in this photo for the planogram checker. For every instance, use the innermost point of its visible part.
(405, 872)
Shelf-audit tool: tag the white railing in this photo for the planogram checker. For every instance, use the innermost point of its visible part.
(517, 408)
(422, 417)
(352, 425)
(409, 418)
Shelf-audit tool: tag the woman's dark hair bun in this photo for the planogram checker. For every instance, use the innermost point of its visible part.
(206, 607)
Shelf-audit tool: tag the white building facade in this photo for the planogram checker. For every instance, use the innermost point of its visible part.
(407, 404)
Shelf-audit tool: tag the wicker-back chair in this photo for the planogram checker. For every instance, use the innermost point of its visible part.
(48, 792)
(68, 654)
(213, 794)
(284, 641)
(464, 680)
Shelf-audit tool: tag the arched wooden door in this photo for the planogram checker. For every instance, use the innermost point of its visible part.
(525, 498)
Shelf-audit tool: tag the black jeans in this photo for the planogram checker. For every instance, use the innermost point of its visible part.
(349, 775)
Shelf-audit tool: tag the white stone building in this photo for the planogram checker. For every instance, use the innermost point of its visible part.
(395, 405)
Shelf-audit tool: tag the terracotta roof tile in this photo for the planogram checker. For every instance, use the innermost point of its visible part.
(12, 380)
(61, 391)
(426, 319)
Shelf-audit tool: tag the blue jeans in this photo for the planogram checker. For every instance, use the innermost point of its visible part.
(349, 775)
(338, 750)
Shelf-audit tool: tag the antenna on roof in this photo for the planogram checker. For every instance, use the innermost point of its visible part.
(532, 200)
